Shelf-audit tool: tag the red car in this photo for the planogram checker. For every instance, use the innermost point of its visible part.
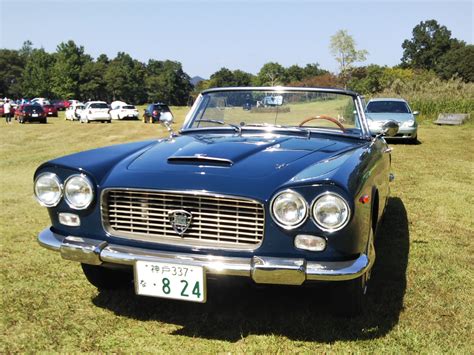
(32, 113)
(18, 109)
(50, 110)
(60, 105)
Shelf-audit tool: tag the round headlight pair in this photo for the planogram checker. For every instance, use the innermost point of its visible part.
(290, 210)
(78, 191)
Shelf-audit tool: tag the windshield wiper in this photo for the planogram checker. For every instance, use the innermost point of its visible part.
(237, 128)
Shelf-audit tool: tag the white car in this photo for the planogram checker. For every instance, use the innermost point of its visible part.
(73, 112)
(95, 111)
(124, 111)
(40, 101)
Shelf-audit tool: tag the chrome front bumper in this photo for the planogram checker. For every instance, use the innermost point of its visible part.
(264, 270)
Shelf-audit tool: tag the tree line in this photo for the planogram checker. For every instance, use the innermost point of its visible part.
(71, 73)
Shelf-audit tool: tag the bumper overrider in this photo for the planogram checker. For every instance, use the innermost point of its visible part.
(263, 270)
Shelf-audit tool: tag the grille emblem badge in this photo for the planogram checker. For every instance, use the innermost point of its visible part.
(180, 220)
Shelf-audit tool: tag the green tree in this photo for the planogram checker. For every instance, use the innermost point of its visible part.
(366, 80)
(343, 48)
(66, 70)
(36, 76)
(294, 73)
(311, 70)
(226, 78)
(11, 68)
(125, 79)
(271, 74)
(222, 78)
(242, 78)
(457, 62)
(166, 81)
(429, 43)
(91, 80)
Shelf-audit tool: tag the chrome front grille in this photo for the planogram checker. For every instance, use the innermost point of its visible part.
(217, 221)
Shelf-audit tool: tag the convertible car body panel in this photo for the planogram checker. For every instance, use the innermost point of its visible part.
(278, 203)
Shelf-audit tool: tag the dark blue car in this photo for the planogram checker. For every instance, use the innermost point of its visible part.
(287, 195)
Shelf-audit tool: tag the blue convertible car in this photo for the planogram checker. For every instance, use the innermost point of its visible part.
(285, 194)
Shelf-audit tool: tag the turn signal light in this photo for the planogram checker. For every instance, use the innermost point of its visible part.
(69, 219)
(310, 242)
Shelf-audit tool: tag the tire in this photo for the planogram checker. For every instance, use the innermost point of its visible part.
(109, 121)
(87, 120)
(351, 296)
(107, 279)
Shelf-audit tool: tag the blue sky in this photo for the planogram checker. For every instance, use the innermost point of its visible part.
(207, 35)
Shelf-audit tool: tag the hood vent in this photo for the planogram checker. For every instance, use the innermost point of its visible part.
(200, 159)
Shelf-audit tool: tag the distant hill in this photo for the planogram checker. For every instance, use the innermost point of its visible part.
(196, 80)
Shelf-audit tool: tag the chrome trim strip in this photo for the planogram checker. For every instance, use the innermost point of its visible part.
(261, 269)
(198, 158)
(282, 88)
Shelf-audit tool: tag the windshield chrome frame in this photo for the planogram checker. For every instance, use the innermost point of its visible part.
(358, 104)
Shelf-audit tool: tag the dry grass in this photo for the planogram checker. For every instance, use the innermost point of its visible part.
(422, 286)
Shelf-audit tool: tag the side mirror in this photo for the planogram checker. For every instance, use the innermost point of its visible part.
(390, 128)
(416, 113)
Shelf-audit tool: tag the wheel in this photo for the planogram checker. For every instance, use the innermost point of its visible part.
(351, 296)
(107, 279)
(87, 120)
(109, 121)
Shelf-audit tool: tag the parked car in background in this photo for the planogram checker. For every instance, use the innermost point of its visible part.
(95, 111)
(50, 110)
(123, 111)
(381, 110)
(40, 101)
(32, 113)
(18, 109)
(73, 112)
(153, 112)
(287, 197)
(60, 105)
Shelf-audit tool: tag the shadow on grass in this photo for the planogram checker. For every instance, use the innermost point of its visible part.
(235, 310)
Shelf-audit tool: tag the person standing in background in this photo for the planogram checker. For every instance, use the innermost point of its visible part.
(7, 109)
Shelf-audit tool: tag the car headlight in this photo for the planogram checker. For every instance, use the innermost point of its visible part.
(78, 192)
(48, 189)
(289, 209)
(408, 123)
(330, 212)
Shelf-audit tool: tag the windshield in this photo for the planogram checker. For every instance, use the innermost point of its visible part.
(98, 105)
(33, 108)
(128, 107)
(387, 107)
(241, 108)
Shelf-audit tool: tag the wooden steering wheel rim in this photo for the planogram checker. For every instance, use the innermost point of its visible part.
(324, 117)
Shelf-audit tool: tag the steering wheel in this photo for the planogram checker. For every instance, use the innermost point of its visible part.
(324, 117)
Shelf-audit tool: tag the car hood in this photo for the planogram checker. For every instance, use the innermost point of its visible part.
(251, 165)
(387, 116)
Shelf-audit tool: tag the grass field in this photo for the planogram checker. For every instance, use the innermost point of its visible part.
(421, 297)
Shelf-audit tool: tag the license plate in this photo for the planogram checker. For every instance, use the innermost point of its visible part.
(167, 280)
(50, 113)
(34, 115)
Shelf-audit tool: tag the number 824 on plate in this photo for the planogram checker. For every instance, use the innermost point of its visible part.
(168, 280)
